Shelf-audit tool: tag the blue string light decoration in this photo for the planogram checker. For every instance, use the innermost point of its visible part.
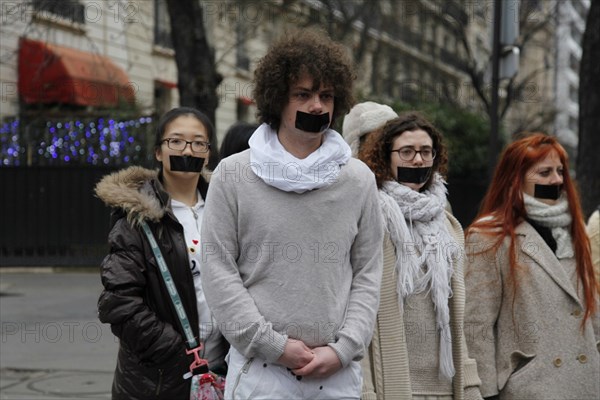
(102, 141)
(9, 143)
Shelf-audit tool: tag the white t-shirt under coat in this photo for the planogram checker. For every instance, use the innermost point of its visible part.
(191, 220)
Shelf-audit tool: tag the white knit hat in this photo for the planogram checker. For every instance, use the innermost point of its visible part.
(364, 118)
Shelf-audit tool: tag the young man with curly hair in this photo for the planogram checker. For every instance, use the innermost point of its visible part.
(292, 235)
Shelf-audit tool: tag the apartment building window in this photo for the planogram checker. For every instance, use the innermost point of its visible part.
(407, 68)
(529, 6)
(448, 43)
(162, 98)
(392, 72)
(69, 10)
(576, 33)
(480, 9)
(242, 111)
(162, 25)
(580, 8)
(574, 62)
(480, 45)
(573, 124)
(422, 22)
(427, 34)
(242, 61)
(574, 93)
(456, 10)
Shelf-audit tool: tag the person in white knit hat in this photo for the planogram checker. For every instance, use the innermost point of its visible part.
(363, 119)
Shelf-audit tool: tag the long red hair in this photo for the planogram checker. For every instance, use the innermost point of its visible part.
(502, 208)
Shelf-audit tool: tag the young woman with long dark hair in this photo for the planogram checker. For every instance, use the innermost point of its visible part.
(136, 301)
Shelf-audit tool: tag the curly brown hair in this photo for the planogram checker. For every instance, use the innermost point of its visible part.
(377, 150)
(308, 52)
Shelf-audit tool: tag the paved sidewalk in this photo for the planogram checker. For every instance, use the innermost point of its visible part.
(52, 345)
(58, 384)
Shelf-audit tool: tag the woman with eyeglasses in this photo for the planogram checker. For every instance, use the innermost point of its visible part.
(136, 301)
(418, 349)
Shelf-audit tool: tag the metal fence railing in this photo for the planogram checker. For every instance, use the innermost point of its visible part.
(50, 216)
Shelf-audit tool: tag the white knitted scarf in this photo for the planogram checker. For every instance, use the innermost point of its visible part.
(557, 218)
(271, 162)
(424, 251)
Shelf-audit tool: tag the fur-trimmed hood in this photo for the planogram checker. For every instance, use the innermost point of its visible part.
(133, 190)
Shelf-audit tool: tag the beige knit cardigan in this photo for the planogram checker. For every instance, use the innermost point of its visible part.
(385, 369)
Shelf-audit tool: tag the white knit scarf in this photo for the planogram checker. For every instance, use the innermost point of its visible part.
(278, 168)
(431, 267)
(557, 217)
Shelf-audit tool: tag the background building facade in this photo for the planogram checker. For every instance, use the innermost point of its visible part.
(570, 25)
(83, 82)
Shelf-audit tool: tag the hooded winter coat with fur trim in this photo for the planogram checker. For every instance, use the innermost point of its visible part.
(135, 301)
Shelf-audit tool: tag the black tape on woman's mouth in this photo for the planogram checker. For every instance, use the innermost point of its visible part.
(549, 192)
(312, 122)
(413, 175)
(186, 163)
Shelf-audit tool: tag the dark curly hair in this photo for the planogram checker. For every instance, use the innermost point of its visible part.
(376, 152)
(304, 51)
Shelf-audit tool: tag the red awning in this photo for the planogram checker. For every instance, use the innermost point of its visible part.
(55, 74)
(166, 84)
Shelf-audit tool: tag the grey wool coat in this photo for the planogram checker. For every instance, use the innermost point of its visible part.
(529, 344)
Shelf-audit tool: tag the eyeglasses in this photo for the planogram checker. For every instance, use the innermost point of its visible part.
(177, 144)
(409, 154)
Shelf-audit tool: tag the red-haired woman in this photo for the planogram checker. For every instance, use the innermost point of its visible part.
(532, 298)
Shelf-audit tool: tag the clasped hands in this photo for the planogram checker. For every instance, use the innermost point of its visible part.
(318, 362)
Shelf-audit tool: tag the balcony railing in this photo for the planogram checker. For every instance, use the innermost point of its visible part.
(162, 37)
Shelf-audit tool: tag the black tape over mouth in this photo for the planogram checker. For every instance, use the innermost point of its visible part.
(413, 175)
(312, 122)
(186, 163)
(549, 192)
